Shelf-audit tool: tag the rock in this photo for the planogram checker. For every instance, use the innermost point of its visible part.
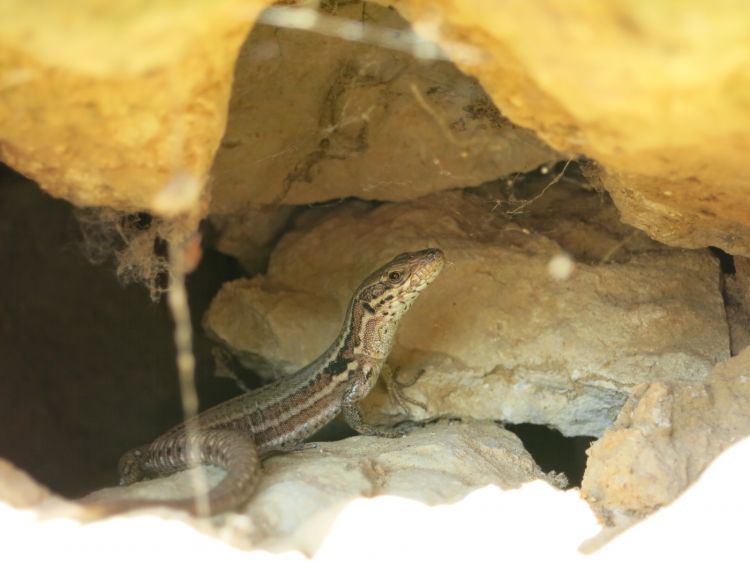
(301, 494)
(29, 537)
(718, 498)
(372, 123)
(19, 489)
(408, 529)
(630, 85)
(250, 236)
(116, 106)
(633, 87)
(737, 295)
(496, 336)
(665, 436)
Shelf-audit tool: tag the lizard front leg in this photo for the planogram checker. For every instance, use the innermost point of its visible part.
(353, 414)
(395, 389)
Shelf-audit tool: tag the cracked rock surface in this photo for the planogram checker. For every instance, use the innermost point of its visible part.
(497, 336)
(105, 105)
(357, 120)
(301, 493)
(665, 436)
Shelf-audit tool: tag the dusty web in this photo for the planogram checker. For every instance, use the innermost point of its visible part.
(158, 253)
(136, 242)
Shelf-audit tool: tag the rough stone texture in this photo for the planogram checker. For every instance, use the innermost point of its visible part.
(370, 122)
(117, 104)
(737, 295)
(658, 93)
(301, 494)
(663, 439)
(249, 236)
(708, 522)
(655, 92)
(19, 489)
(496, 336)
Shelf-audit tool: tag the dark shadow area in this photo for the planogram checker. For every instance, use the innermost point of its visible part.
(553, 451)
(726, 261)
(87, 366)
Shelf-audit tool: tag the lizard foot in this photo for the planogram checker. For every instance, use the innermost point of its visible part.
(396, 389)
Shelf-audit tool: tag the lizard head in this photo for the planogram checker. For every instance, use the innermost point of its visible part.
(389, 292)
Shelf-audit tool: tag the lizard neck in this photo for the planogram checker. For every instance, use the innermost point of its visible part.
(314, 394)
(366, 335)
(346, 356)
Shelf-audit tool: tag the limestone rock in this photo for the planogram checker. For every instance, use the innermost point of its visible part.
(707, 522)
(301, 493)
(357, 120)
(18, 488)
(663, 439)
(119, 105)
(249, 236)
(663, 108)
(495, 336)
(407, 529)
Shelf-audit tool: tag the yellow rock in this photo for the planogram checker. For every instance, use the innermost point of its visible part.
(108, 103)
(657, 92)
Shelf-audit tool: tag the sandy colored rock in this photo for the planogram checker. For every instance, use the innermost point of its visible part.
(301, 494)
(466, 529)
(19, 489)
(119, 105)
(660, 100)
(737, 295)
(368, 122)
(495, 336)
(665, 436)
(109, 106)
(249, 236)
(634, 87)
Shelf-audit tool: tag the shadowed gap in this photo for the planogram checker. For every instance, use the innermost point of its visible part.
(553, 451)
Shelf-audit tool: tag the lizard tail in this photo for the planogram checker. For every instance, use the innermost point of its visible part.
(232, 451)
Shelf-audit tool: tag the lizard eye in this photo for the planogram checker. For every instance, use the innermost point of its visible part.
(394, 276)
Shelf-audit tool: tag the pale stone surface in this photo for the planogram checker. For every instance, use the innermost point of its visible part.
(301, 494)
(249, 236)
(664, 437)
(707, 522)
(367, 122)
(737, 294)
(30, 538)
(657, 92)
(495, 336)
(19, 489)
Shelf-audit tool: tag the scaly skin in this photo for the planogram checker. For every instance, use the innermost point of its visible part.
(236, 434)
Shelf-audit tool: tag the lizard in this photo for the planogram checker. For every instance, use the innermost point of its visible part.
(238, 434)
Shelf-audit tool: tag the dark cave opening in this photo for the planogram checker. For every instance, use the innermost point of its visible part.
(553, 451)
(726, 261)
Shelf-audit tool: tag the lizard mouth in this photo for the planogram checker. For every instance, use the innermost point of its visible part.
(429, 263)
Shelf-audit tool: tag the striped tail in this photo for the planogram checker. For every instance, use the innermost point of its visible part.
(230, 450)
